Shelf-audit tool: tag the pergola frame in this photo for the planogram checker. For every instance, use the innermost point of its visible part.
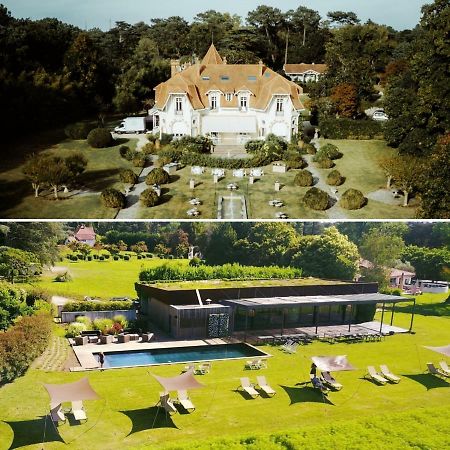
(252, 305)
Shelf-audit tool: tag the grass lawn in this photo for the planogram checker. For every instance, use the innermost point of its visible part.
(412, 414)
(102, 279)
(17, 197)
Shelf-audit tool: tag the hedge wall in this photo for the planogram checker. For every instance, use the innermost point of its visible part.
(97, 306)
(171, 272)
(21, 344)
(331, 128)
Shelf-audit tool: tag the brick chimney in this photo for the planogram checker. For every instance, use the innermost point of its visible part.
(174, 67)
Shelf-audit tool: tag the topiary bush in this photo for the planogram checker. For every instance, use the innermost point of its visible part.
(149, 198)
(100, 138)
(157, 176)
(295, 161)
(128, 176)
(304, 178)
(325, 163)
(329, 151)
(126, 257)
(85, 320)
(316, 199)
(335, 178)
(116, 258)
(352, 199)
(149, 149)
(112, 198)
(78, 130)
(126, 152)
(310, 149)
(139, 160)
(75, 329)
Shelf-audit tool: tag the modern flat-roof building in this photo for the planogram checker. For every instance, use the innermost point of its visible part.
(193, 312)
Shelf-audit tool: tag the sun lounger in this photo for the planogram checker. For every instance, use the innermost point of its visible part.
(248, 387)
(203, 368)
(78, 410)
(187, 367)
(435, 371)
(386, 373)
(264, 386)
(167, 403)
(291, 348)
(256, 364)
(57, 414)
(330, 381)
(376, 376)
(444, 368)
(185, 401)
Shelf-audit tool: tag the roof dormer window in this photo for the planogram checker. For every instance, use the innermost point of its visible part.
(205, 78)
(228, 96)
(243, 102)
(213, 101)
(224, 77)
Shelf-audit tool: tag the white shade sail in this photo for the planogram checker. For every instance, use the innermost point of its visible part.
(332, 363)
(70, 392)
(185, 381)
(229, 124)
(445, 350)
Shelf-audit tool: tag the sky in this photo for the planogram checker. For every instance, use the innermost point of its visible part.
(400, 14)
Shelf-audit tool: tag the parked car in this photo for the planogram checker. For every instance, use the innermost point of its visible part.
(380, 116)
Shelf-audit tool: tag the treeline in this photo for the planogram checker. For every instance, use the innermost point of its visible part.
(172, 272)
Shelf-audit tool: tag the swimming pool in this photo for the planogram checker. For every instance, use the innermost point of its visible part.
(131, 358)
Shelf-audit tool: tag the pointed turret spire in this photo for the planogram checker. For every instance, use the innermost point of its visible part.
(212, 56)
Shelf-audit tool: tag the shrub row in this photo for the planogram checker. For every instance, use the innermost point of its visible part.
(107, 326)
(175, 272)
(331, 128)
(21, 344)
(97, 306)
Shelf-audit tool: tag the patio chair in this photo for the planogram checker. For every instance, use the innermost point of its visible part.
(185, 401)
(248, 387)
(57, 414)
(291, 348)
(435, 371)
(256, 364)
(375, 376)
(264, 386)
(444, 368)
(386, 373)
(203, 368)
(78, 410)
(328, 380)
(166, 403)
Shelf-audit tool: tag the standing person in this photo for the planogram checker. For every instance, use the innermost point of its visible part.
(101, 359)
(313, 371)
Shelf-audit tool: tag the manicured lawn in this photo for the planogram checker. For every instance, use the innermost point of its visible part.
(103, 279)
(412, 414)
(17, 197)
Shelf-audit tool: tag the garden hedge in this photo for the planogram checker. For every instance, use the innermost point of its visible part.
(331, 128)
(78, 130)
(334, 178)
(316, 199)
(97, 306)
(21, 344)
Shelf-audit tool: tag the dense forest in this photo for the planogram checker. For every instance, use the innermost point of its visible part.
(53, 73)
(318, 249)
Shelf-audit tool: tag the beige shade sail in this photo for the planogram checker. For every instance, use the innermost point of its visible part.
(332, 363)
(70, 392)
(445, 350)
(185, 381)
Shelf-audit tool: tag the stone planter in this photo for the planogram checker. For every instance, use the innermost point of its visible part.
(108, 339)
(81, 340)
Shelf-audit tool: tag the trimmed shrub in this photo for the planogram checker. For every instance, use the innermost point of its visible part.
(126, 257)
(310, 149)
(316, 199)
(121, 319)
(101, 258)
(199, 144)
(295, 161)
(139, 257)
(331, 128)
(152, 138)
(335, 178)
(107, 256)
(97, 306)
(139, 160)
(78, 130)
(103, 325)
(163, 160)
(85, 320)
(89, 258)
(329, 151)
(149, 149)
(325, 163)
(99, 138)
(116, 258)
(128, 176)
(63, 277)
(304, 178)
(149, 198)
(112, 198)
(157, 176)
(352, 199)
(126, 152)
(254, 146)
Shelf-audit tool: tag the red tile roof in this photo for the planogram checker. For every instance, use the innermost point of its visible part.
(84, 233)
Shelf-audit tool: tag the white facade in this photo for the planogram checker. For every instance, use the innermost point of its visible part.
(228, 125)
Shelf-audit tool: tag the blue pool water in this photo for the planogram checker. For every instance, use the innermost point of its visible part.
(179, 355)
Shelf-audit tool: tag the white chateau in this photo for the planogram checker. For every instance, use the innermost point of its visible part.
(305, 72)
(230, 103)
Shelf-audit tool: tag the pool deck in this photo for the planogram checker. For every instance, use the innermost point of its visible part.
(84, 353)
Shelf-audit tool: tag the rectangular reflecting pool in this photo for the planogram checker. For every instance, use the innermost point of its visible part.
(130, 358)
